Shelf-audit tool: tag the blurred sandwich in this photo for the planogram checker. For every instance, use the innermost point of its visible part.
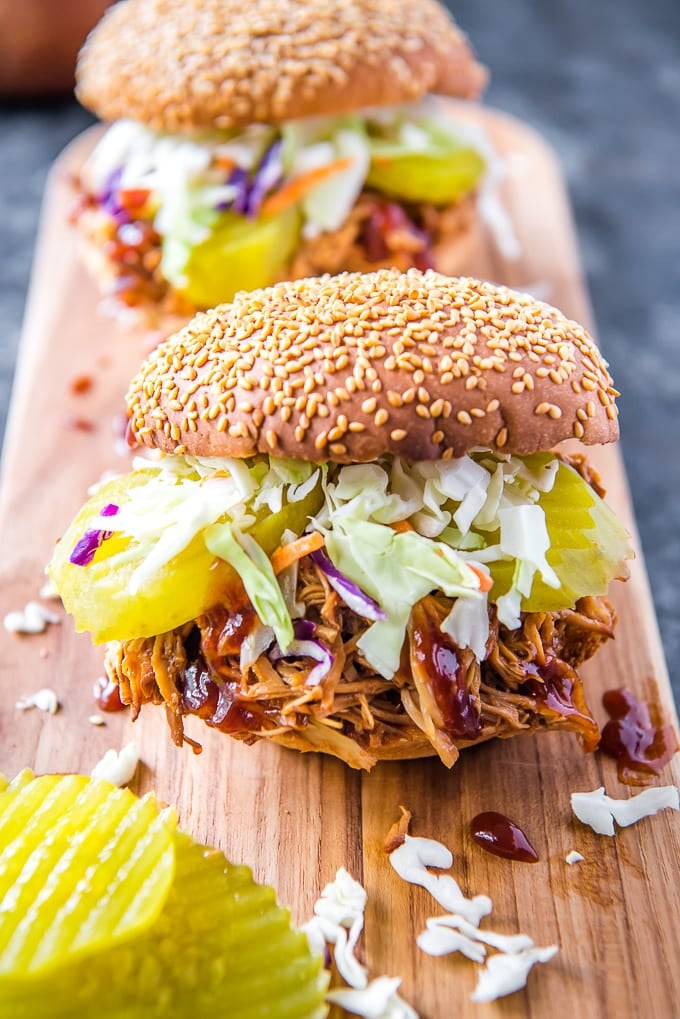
(277, 139)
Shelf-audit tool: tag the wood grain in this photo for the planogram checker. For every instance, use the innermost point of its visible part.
(295, 819)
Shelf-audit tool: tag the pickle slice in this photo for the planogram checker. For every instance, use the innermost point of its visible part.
(588, 544)
(97, 595)
(239, 254)
(82, 864)
(221, 946)
(438, 178)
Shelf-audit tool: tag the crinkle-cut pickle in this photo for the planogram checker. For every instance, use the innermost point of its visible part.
(588, 544)
(82, 866)
(220, 946)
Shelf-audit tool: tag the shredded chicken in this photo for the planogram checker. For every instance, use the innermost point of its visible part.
(441, 699)
(398, 831)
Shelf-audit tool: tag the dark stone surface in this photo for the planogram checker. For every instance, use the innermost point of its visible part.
(601, 81)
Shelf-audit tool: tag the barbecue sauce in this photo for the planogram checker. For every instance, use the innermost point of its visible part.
(558, 691)
(636, 736)
(384, 231)
(208, 692)
(439, 658)
(219, 705)
(499, 835)
(225, 627)
(107, 695)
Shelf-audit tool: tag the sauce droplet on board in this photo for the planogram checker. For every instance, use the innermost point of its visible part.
(81, 384)
(636, 737)
(499, 835)
(107, 695)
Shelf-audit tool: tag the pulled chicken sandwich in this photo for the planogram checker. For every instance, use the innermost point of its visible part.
(349, 532)
(277, 139)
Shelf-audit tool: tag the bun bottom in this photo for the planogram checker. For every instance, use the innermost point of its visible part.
(384, 744)
(387, 747)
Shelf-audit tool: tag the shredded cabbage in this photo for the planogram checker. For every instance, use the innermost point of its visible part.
(192, 178)
(255, 570)
(396, 530)
(397, 570)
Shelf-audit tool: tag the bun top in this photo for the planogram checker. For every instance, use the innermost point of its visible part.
(350, 367)
(178, 65)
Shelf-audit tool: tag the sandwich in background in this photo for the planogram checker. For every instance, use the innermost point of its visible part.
(274, 140)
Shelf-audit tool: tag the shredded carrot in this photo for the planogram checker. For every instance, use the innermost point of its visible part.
(286, 555)
(225, 162)
(402, 526)
(485, 581)
(133, 198)
(298, 187)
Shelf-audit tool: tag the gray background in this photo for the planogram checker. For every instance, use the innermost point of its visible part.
(601, 80)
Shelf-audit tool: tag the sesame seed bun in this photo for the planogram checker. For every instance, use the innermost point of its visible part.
(350, 367)
(178, 65)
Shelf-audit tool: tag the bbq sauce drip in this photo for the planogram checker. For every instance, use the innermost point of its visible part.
(219, 705)
(558, 691)
(499, 835)
(439, 658)
(387, 221)
(636, 736)
(224, 629)
(107, 695)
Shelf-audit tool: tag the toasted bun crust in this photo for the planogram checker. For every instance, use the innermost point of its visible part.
(351, 367)
(177, 65)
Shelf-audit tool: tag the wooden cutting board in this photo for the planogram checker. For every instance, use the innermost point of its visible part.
(295, 819)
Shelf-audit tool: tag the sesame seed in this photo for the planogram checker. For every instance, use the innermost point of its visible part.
(273, 355)
(397, 434)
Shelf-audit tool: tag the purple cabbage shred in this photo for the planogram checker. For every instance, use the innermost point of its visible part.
(109, 200)
(252, 191)
(353, 596)
(85, 548)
